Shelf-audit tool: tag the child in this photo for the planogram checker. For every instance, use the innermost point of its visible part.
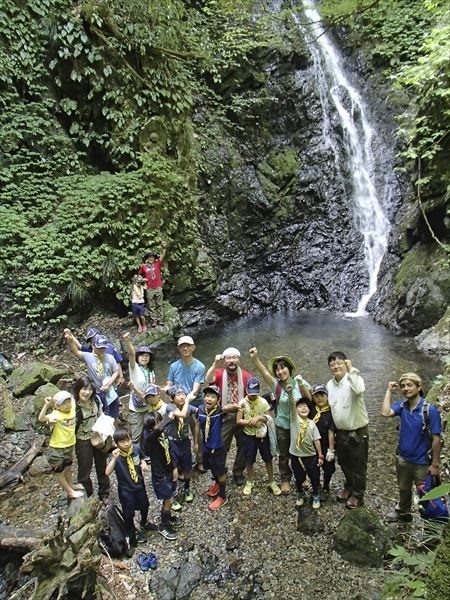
(138, 302)
(62, 441)
(304, 448)
(177, 430)
(252, 415)
(128, 463)
(164, 471)
(321, 416)
(210, 418)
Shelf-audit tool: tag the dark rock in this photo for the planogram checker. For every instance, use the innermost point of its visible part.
(309, 521)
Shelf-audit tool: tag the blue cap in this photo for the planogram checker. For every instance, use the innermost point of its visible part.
(212, 388)
(253, 386)
(101, 341)
(319, 387)
(173, 391)
(151, 390)
(92, 332)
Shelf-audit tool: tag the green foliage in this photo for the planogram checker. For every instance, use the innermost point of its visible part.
(409, 580)
(437, 492)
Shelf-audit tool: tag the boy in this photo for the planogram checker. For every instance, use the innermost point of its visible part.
(177, 430)
(151, 397)
(138, 303)
(128, 463)
(321, 416)
(252, 415)
(210, 418)
(304, 448)
(62, 441)
(164, 471)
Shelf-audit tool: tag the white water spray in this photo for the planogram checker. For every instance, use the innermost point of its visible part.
(357, 136)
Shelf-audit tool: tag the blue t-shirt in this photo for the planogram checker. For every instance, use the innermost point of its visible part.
(187, 375)
(414, 442)
(214, 439)
(122, 471)
(171, 428)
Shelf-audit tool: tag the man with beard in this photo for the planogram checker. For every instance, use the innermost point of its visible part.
(231, 381)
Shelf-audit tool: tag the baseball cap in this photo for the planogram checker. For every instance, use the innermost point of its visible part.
(92, 332)
(62, 397)
(185, 339)
(151, 390)
(253, 386)
(212, 388)
(319, 387)
(101, 341)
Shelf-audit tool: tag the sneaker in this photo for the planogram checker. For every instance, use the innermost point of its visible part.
(324, 495)
(152, 560)
(248, 488)
(213, 490)
(139, 331)
(275, 489)
(176, 505)
(149, 526)
(144, 328)
(395, 516)
(217, 503)
(175, 522)
(167, 532)
(316, 502)
(188, 495)
(140, 537)
(300, 499)
(143, 561)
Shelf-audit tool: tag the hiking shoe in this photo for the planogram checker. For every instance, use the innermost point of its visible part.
(143, 561)
(274, 488)
(395, 516)
(176, 505)
(149, 526)
(152, 560)
(175, 522)
(167, 532)
(213, 490)
(217, 503)
(300, 499)
(316, 502)
(140, 537)
(248, 488)
(188, 495)
(324, 495)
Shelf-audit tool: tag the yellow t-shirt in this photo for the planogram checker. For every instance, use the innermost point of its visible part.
(63, 434)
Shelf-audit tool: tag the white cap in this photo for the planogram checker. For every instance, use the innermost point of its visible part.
(185, 339)
(231, 352)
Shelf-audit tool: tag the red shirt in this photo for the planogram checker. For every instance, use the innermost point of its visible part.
(232, 379)
(146, 270)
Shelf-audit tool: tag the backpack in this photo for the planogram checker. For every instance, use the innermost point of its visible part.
(435, 510)
(114, 540)
(273, 399)
(425, 428)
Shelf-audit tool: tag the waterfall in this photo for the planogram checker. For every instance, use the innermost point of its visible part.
(336, 94)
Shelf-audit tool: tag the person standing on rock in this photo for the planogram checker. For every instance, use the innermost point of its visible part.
(348, 409)
(151, 270)
(231, 381)
(419, 446)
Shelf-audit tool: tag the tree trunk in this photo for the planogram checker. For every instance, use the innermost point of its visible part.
(15, 473)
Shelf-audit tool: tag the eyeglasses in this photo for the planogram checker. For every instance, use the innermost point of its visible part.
(337, 363)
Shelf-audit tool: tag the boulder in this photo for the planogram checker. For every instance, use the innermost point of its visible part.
(12, 418)
(436, 340)
(39, 466)
(26, 379)
(49, 389)
(361, 539)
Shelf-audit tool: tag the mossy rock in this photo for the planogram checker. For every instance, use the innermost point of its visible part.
(28, 378)
(12, 419)
(438, 581)
(49, 389)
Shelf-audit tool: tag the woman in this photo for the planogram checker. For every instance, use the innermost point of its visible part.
(280, 373)
(88, 410)
(142, 374)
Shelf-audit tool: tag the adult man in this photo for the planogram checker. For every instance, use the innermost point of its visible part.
(346, 400)
(102, 369)
(189, 372)
(151, 269)
(231, 381)
(91, 335)
(416, 440)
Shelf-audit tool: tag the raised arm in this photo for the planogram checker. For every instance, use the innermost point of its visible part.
(72, 343)
(130, 348)
(289, 389)
(209, 377)
(355, 379)
(386, 409)
(163, 253)
(261, 368)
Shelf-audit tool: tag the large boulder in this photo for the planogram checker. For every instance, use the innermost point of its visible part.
(26, 379)
(362, 539)
(436, 340)
(12, 418)
(49, 389)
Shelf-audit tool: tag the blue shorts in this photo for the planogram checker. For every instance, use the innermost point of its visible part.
(138, 309)
(251, 446)
(164, 487)
(214, 459)
(181, 454)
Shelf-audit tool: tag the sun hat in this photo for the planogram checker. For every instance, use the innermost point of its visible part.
(151, 390)
(144, 350)
(212, 388)
(319, 387)
(253, 386)
(62, 397)
(173, 391)
(412, 377)
(101, 341)
(185, 339)
(92, 332)
(150, 254)
(286, 359)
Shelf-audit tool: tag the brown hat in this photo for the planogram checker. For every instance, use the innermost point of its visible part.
(413, 377)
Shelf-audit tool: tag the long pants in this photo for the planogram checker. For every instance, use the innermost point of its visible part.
(352, 457)
(86, 456)
(284, 441)
(136, 421)
(155, 303)
(131, 502)
(310, 468)
(229, 430)
(408, 473)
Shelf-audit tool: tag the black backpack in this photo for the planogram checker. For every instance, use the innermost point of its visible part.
(113, 536)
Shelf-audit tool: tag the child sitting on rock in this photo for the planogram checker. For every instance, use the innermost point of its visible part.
(321, 416)
(62, 441)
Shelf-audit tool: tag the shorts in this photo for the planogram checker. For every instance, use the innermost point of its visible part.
(163, 486)
(214, 459)
(138, 309)
(181, 454)
(60, 458)
(251, 446)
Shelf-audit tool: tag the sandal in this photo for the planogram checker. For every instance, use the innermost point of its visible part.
(143, 561)
(285, 488)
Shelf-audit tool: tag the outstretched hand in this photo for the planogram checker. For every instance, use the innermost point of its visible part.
(253, 352)
(392, 385)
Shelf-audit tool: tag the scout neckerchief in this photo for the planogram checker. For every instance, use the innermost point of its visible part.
(252, 407)
(319, 412)
(99, 366)
(232, 391)
(147, 374)
(152, 271)
(165, 444)
(130, 463)
(208, 421)
(157, 406)
(138, 291)
(303, 428)
(180, 426)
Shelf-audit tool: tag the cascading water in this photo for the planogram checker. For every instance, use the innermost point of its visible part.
(336, 94)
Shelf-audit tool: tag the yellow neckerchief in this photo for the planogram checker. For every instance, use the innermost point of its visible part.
(319, 412)
(139, 291)
(180, 426)
(165, 444)
(208, 421)
(158, 406)
(99, 365)
(130, 463)
(252, 407)
(302, 431)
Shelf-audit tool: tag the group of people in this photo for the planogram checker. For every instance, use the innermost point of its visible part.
(305, 426)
